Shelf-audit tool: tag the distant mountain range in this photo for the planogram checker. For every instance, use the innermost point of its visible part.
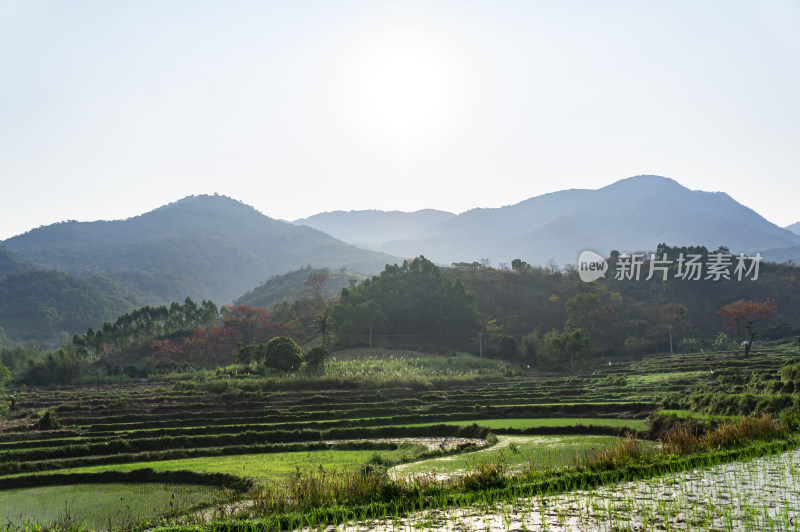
(781, 255)
(633, 214)
(373, 228)
(206, 247)
(785, 254)
(63, 277)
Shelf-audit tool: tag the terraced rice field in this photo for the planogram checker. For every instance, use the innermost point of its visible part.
(263, 468)
(515, 454)
(634, 425)
(246, 426)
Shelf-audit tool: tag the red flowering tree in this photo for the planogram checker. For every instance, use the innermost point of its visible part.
(166, 352)
(249, 321)
(213, 347)
(255, 324)
(747, 315)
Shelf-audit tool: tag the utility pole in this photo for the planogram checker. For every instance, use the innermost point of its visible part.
(670, 340)
(370, 336)
(480, 344)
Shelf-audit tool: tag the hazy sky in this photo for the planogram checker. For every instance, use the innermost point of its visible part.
(111, 108)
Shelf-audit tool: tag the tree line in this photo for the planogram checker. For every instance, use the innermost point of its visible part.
(542, 317)
(533, 313)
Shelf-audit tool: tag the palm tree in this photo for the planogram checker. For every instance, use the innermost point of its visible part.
(324, 324)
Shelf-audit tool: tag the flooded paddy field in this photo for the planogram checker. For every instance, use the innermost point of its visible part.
(759, 494)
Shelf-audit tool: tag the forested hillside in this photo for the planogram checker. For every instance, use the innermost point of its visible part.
(413, 304)
(627, 317)
(206, 247)
(47, 305)
(298, 284)
(545, 318)
(11, 263)
(216, 248)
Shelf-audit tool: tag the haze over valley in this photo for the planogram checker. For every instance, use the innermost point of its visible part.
(314, 265)
(219, 249)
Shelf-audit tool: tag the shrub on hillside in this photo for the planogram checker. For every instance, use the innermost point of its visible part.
(316, 357)
(790, 373)
(48, 421)
(283, 354)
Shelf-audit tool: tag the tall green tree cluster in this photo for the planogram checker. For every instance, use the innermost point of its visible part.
(5, 373)
(413, 300)
(147, 323)
(36, 368)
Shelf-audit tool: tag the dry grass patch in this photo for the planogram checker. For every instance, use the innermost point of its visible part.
(681, 440)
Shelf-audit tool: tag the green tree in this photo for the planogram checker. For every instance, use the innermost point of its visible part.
(536, 349)
(568, 345)
(316, 357)
(247, 353)
(282, 353)
(636, 346)
(673, 320)
(5, 374)
(209, 315)
(519, 266)
(323, 324)
(507, 350)
(689, 345)
(592, 314)
(412, 299)
(64, 365)
(36, 373)
(79, 340)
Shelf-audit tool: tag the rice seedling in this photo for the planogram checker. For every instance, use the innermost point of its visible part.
(101, 506)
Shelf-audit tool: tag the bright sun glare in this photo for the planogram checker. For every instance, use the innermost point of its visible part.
(402, 86)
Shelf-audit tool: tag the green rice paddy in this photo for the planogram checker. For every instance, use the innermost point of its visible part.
(515, 453)
(263, 468)
(100, 506)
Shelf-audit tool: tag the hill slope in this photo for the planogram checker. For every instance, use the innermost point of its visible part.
(11, 264)
(51, 306)
(781, 255)
(206, 247)
(372, 228)
(41, 304)
(630, 215)
(794, 228)
(291, 286)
